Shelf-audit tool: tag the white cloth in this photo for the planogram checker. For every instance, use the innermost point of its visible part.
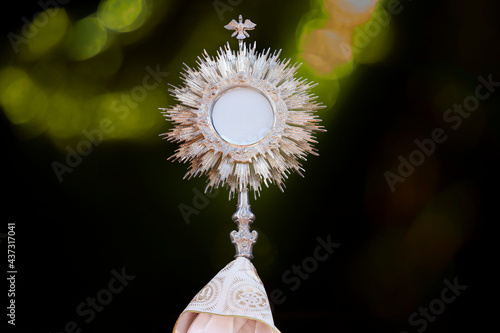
(234, 301)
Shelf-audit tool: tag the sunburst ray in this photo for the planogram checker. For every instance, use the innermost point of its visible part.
(268, 160)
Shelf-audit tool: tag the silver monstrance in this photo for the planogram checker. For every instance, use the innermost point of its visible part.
(243, 119)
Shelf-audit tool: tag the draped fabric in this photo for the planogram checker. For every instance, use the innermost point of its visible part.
(234, 301)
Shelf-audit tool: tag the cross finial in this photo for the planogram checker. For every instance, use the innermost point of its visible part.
(240, 28)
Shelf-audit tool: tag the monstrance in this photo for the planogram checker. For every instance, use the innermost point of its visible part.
(243, 119)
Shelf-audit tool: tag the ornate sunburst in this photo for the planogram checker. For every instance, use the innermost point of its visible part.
(266, 157)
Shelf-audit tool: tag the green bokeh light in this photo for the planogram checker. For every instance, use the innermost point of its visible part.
(331, 50)
(372, 41)
(75, 93)
(123, 15)
(102, 66)
(49, 32)
(131, 119)
(88, 38)
(22, 100)
(67, 116)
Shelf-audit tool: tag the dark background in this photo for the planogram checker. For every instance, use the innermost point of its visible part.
(120, 207)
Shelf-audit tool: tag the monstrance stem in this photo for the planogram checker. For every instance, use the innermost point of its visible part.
(243, 239)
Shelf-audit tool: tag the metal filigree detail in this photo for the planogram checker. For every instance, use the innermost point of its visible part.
(243, 239)
(269, 160)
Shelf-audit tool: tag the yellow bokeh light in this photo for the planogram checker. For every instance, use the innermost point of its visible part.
(127, 115)
(50, 27)
(352, 7)
(326, 50)
(371, 42)
(88, 38)
(22, 100)
(67, 117)
(105, 64)
(123, 15)
(330, 46)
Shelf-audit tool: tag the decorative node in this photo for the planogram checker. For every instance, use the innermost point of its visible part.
(243, 239)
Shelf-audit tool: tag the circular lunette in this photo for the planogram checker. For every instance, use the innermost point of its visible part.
(242, 115)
